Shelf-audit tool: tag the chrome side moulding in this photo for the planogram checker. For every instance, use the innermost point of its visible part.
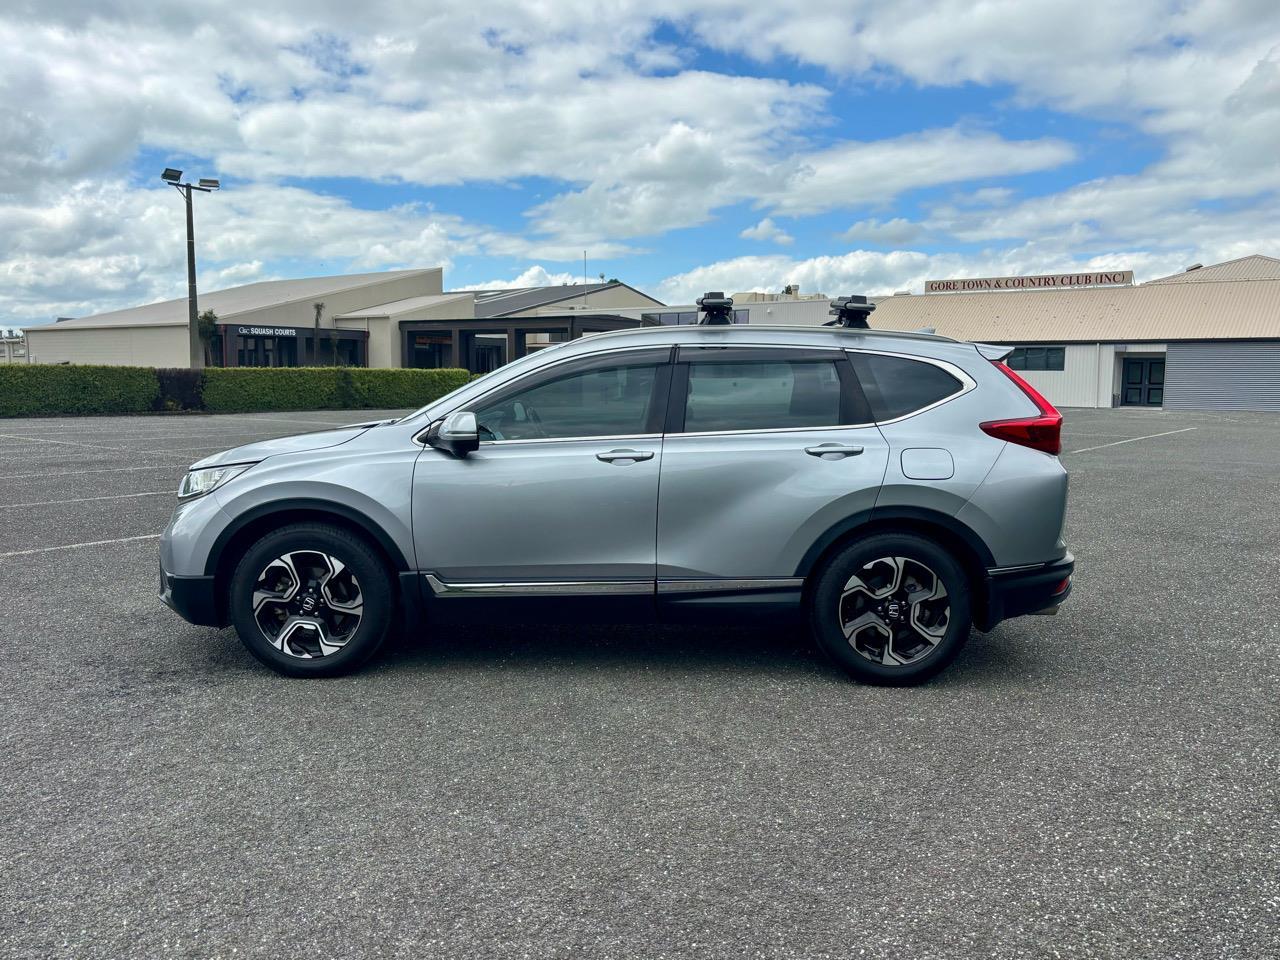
(728, 586)
(540, 588)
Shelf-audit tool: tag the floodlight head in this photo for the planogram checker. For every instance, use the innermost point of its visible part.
(171, 175)
(209, 184)
(851, 311)
(717, 309)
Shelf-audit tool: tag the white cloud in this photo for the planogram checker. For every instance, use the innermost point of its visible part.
(769, 232)
(535, 276)
(105, 246)
(896, 232)
(623, 138)
(852, 174)
(879, 273)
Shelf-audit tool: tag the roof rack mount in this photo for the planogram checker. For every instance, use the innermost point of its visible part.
(717, 309)
(851, 311)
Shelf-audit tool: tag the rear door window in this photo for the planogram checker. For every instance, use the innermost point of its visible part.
(898, 386)
(766, 389)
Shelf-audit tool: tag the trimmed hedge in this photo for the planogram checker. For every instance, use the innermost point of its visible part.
(34, 390)
(181, 388)
(44, 390)
(254, 389)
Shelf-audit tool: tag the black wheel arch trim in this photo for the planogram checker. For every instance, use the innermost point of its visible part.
(880, 515)
(305, 505)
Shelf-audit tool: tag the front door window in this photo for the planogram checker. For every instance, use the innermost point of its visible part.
(610, 401)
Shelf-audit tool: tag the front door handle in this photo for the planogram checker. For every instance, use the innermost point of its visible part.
(625, 456)
(834, 451)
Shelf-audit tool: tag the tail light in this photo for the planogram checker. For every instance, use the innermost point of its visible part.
(1042, 432)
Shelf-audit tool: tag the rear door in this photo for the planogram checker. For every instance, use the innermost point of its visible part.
(766, 449)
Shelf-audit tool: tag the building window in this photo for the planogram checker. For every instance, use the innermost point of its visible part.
(685, 318)
(1037, 358)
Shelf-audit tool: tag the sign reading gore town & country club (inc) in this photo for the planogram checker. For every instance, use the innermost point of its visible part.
(267, 331)
(1048, 281)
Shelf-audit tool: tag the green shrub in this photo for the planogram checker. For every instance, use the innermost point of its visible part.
(246, 389)
(33, 390)
(255, 389)
(180, 389)
(392, 389)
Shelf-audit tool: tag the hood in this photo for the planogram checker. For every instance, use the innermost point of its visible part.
(253, 452)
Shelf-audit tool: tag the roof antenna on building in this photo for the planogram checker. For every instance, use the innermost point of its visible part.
(717, 309)
(851, 311)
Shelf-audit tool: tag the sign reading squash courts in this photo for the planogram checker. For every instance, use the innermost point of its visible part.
(1047, 281)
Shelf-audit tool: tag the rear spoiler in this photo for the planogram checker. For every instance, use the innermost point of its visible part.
(992, 352)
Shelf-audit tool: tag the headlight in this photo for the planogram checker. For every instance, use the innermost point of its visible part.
(199, 482)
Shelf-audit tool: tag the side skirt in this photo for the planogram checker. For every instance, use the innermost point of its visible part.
(611, 601)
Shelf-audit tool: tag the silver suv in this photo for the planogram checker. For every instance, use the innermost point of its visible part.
(892, 489)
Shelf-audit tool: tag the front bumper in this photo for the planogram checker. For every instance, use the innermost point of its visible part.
(1018, 592)
(192, 598)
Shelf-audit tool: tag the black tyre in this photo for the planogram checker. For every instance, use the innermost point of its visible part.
(891, 609)
(311, 600)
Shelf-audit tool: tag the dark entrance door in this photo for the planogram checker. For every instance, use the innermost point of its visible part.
(1143, 382)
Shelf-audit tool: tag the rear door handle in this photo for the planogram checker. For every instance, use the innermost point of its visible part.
(624, 456)
(833, 451)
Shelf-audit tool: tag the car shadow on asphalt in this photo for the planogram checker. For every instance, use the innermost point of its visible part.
(990, 659)
(997, 659)
(777, 650)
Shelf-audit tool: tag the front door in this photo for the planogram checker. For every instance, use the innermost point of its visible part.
(769, 447)
(1143, 382)
(561, 498)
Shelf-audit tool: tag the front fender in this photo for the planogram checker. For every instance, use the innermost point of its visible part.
(373, 491)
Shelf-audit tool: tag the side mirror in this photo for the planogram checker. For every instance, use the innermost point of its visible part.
(457, 433)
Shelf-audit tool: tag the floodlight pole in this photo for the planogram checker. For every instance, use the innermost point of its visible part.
(174, 179)
(193, 314)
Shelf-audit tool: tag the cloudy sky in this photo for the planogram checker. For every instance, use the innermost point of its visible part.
(847, 145)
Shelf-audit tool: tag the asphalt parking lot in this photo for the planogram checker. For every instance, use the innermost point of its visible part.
(1099, 784)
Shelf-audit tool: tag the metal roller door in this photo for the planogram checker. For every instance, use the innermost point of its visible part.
(1226, 375)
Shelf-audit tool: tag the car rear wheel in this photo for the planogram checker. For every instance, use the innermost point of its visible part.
(891, 609)
(311, 600)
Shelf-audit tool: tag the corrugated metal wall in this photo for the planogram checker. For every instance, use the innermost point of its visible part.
(1227, 375)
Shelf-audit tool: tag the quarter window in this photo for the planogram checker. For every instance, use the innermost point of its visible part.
(897, 386)
(762, 395)
(601, 402)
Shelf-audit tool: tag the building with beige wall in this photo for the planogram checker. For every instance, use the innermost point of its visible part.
(1206, 338)
(369, 319)
(13, 348)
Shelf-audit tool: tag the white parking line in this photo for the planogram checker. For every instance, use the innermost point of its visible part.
(73, 546)
(69, 443)
(41, 476)
(119, 496)
(323, 423)
(1116, 443)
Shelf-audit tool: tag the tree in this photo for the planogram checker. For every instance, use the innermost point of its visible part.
(208, 326)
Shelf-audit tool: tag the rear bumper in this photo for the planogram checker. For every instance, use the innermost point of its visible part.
(1014, 593)
(192, 598)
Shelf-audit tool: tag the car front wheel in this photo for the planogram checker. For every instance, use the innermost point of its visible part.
(891, 609)
(311, 600)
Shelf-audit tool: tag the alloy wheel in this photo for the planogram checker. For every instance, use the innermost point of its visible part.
(307, 604)
(894, 611)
